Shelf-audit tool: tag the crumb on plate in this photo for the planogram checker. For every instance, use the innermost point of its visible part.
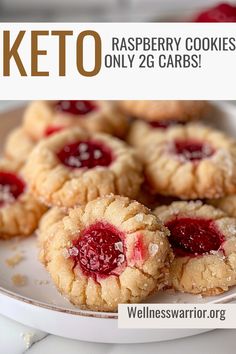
(19, 280)
(14, 260)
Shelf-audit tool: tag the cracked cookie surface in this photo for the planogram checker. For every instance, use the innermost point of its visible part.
(41, 118)
(111, 251)
(20, 212)
(191, 162)
(153, 111)
(19, 145)
(203, 239)
(74, 166)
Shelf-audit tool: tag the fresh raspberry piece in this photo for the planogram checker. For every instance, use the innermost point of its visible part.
(11, 187)
(220, 13)
(75, 107)
(85, 154)
(99, 250)
(194, 236)
(192, 150)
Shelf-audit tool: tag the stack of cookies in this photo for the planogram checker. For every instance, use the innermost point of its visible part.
(131, 190)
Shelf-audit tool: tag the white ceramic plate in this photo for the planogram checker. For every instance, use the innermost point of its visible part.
(38, 304)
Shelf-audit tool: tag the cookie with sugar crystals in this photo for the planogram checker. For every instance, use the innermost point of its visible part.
(18, 145)
(110, 251)
(191, 162)
(20, 212)
(165, 112)
(41, 118)
(74, 166)
(203, 239)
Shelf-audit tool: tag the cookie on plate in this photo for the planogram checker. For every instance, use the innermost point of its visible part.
(19, 211)
(41, 118)
(111, 251)
(18, 145)
(74, 166)
(203, 239)
(163, 111)
(191, 162)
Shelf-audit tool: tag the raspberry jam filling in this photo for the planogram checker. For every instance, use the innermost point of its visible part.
(220, 13)
(85, 154)
(139, 251)
(99, 250)
(164, 124)
(75, 107)
(11, 187)
(192, 150)
(194, 236)
(50, 130)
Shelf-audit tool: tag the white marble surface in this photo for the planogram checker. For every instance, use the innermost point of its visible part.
(17, 339)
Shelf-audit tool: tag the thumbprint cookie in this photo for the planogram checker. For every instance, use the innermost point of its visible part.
(110, 251)
(41, 118)
(203, 239)
(18, 145)
(165, 113)
(74, 166)
(19, 211)
(191, 162)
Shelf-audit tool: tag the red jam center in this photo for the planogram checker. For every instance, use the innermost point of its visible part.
(219, 13)
(75, 107)
(85, 154)
(50, 130)
(164, 124)
(193, 236)
(192, 150)
(99, 250)
(11, 187)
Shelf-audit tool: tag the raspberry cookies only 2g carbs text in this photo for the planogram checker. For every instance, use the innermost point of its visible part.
(122, 182)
